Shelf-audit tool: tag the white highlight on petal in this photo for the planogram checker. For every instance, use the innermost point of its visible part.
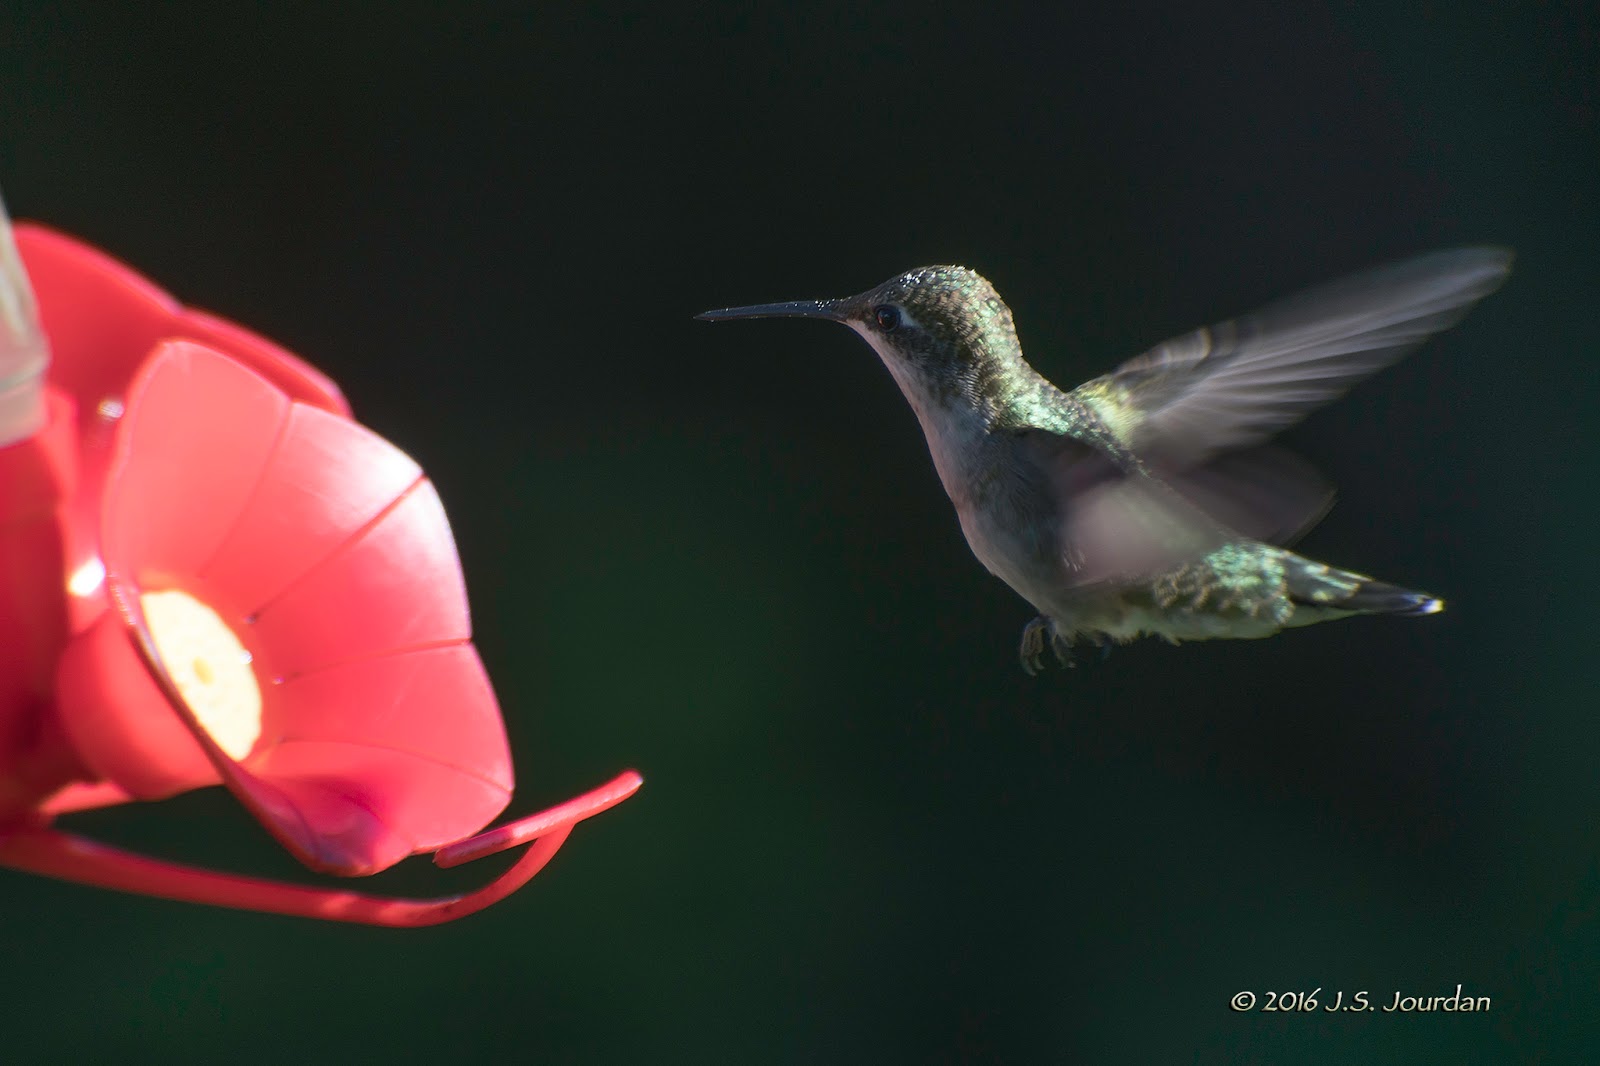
(86, 578)
(209, 666)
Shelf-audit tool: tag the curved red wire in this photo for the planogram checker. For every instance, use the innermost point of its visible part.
(67, 856)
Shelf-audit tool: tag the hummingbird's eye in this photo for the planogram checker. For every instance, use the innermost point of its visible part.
(888, 317)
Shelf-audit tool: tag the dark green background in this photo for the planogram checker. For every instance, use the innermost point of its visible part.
(720, 554)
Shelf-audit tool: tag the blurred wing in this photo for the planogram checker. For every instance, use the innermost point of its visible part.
(1235, 384)
(1264, 493)
(1131, 527)
(1117, 522)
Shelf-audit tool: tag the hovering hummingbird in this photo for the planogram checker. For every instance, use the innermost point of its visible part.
(1146, 501)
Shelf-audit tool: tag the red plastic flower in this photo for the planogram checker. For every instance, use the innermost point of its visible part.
(229, 581)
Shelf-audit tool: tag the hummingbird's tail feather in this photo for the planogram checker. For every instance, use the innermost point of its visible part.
(1378, 597)
(1313, 585)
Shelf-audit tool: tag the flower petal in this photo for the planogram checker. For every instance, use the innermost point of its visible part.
(399, 719)
(94, 356)
(192, 449)
(329, 558)
(396, 585)
(327, 478)
(102, 320)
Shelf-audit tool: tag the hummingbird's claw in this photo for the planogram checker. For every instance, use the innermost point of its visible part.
(1033, 638)
(1042, 630)
(1035, 635)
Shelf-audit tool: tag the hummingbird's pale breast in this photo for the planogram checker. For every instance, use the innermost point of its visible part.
(1002, 499)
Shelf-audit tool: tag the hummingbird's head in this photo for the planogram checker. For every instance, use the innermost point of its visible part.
(942, 331)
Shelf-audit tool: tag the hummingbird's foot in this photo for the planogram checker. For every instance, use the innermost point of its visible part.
(1035, 635)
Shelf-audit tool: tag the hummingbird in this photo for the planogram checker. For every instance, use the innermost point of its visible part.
(1147, 501)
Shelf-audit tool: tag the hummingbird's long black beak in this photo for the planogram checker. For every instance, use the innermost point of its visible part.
(828, 309)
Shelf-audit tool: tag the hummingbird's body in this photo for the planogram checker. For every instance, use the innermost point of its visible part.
(1144, 501)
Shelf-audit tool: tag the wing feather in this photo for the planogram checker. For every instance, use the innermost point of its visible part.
(1120, 521)
(1237, 383)
(1115, 521)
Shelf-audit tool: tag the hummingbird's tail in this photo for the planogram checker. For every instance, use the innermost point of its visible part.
(1313, 585)
(1379, 597)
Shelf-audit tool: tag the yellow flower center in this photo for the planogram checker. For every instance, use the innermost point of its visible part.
(209, 666)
